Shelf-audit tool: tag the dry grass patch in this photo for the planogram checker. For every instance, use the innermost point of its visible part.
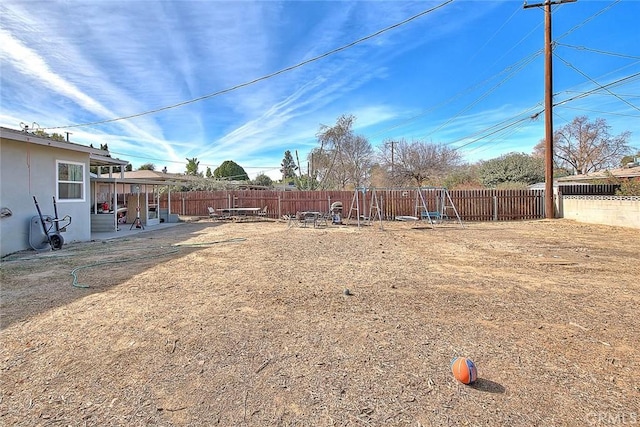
(248, 324)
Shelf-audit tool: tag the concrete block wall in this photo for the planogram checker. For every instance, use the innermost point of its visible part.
(620, 211)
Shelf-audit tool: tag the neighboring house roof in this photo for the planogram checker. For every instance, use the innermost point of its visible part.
(146, 174)
(628, 172)
(97, 157)
(142, 174)
(157, 175)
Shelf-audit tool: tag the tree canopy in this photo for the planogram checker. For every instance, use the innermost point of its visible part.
(288, 166)
(192, 167)
(583, 146)
(418, 163)
(231, 170)
(263, 180)
(343, 158)
(629, 159)
(511, 168)
(55, 136)
(147, 166)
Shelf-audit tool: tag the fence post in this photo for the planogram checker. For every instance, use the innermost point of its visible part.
(559, 202)
(495, 208)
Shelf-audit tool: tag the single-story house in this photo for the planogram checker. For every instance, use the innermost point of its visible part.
(32, 165)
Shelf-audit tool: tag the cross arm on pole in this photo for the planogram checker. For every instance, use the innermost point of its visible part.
(527, 6)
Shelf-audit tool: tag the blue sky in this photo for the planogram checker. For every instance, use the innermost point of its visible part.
(469, 74)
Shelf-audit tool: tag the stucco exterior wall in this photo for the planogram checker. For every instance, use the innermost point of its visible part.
(608, 210)
(28, 170)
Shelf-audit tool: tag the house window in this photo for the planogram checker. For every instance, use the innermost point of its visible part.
(70, 181)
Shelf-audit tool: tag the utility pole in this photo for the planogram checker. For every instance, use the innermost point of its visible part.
(549, 208)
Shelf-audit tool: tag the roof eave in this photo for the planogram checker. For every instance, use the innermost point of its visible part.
(100, 160)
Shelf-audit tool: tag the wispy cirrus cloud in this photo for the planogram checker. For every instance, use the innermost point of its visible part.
(53, 82)
(134, 64)
(95, 61)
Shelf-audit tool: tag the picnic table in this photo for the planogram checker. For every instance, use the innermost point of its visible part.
(238, 213)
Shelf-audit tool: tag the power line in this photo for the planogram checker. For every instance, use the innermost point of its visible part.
(526, 36)
(272, 167)
(514, 122)
(485, 94)
(486, 145)
(568, 64)
(496, 32)
(469, 89)
(268, 76)
(527, 59)
(620, 82)
(515, 119)
(601, 112)
(620, 55)
(494, 132)
(504, 124)
(592, 17)
(520, 122)
(627, 95)
(557, 104)
(590, 92)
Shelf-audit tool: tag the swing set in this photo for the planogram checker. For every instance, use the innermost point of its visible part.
(432, 204)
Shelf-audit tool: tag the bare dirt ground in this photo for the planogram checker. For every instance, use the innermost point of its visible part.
(247, 324)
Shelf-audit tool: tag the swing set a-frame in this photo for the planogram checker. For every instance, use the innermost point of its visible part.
(444, 208)
(361, 199)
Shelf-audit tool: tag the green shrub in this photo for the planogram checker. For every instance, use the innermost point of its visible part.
(629, 187)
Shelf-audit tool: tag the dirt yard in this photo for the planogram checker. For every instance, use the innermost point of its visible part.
(248, 324)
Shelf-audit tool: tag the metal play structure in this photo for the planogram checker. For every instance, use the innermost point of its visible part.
(359, 208)
(434, 204)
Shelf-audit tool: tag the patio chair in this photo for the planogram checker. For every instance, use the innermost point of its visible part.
(212, 213)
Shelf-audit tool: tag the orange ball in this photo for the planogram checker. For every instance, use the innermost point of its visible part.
(464, 370)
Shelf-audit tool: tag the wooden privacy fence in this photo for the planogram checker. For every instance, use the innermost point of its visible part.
(472, 205)
(588, 189)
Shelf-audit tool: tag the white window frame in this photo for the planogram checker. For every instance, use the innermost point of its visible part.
(82, 183)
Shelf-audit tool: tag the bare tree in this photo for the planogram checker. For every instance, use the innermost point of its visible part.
(354, 161)
(538, 153)
(582, 146)
(418, 162)
(320, 161)
(343, 158)
(538, 149)
(362, 157)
